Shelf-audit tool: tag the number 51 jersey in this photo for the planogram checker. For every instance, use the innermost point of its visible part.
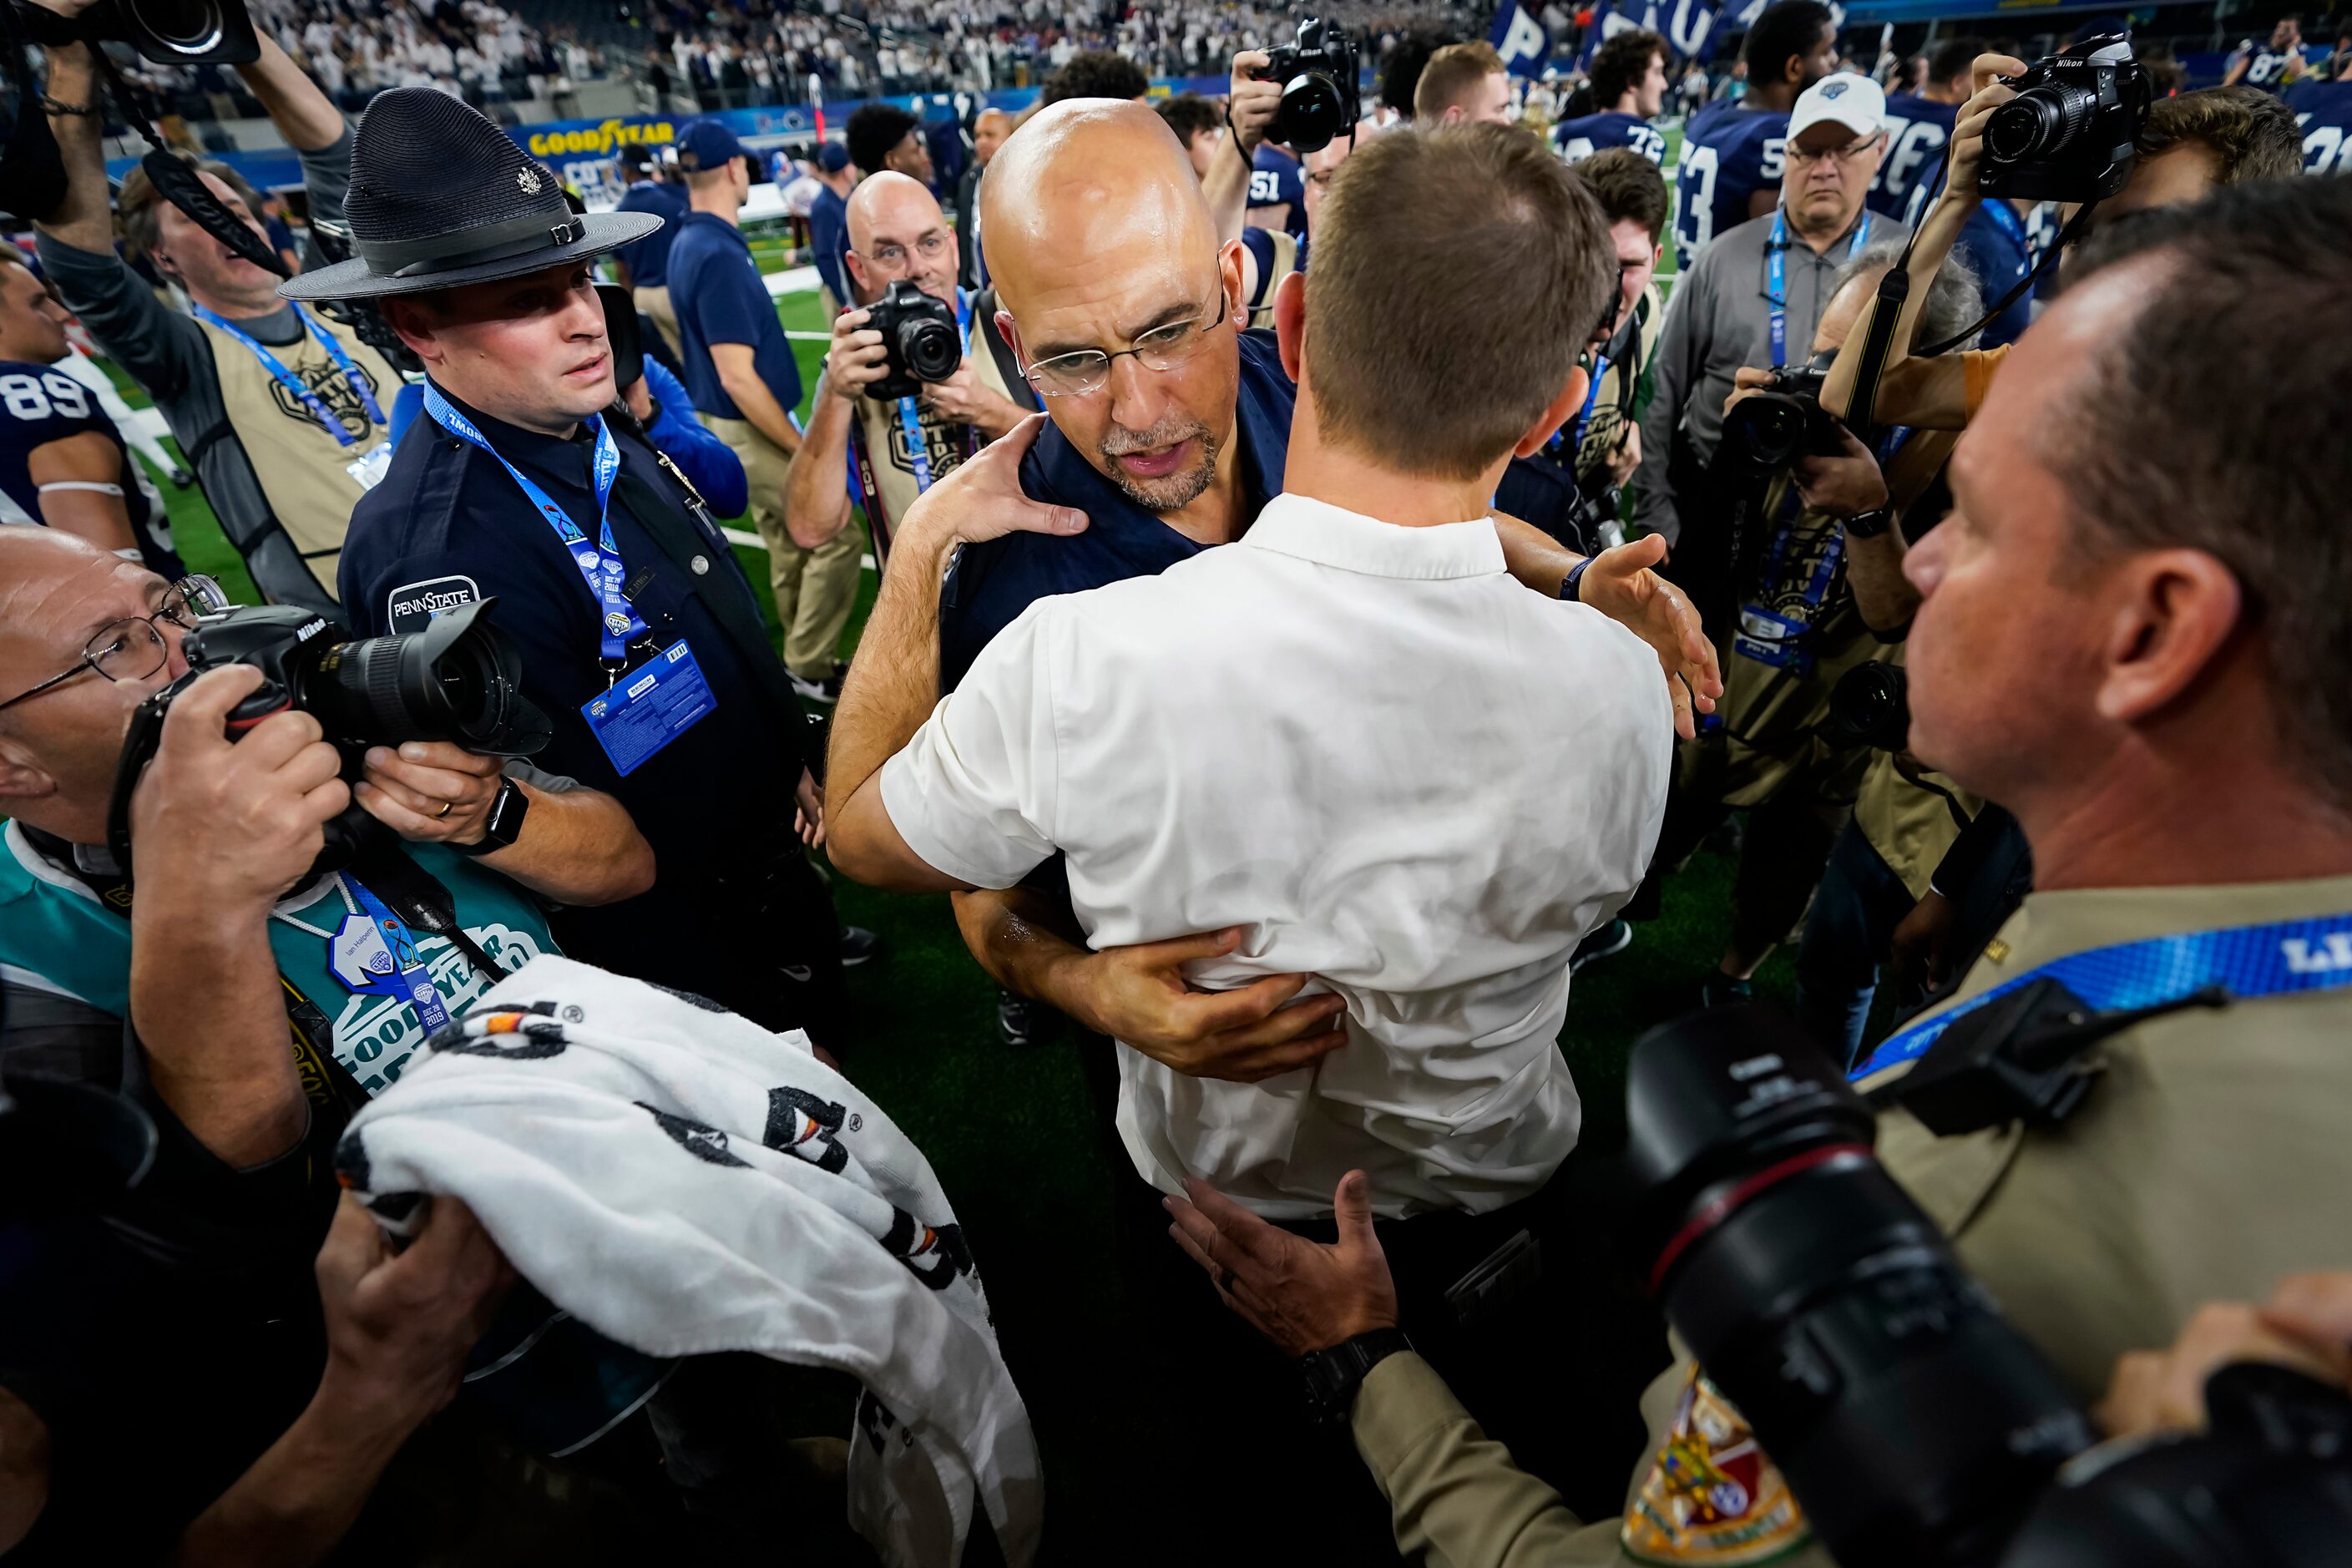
(1729, 153)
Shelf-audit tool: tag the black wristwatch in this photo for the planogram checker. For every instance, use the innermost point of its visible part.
(1332, 1376)
(504, 825)
(1870, 525)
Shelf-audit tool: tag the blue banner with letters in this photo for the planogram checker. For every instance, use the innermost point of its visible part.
(1519, 37)
(1688, 26)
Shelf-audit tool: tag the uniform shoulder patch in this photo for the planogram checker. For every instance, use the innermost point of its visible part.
(412, 606)
(1711, 1495)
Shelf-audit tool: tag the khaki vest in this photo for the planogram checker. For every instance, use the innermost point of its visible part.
(882, 439)
(301, 468)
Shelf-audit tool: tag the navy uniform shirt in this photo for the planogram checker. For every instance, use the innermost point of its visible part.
(719, 297)
(40, 404)
(1580, 138)
(1278, 179)
(1917, 130)
(2323, 111)
(448, 526)
(1728, 154)
(992, 583)
(648, 259)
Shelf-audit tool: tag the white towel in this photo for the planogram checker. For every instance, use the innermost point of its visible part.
(685, 1181)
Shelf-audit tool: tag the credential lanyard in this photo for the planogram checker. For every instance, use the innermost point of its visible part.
(1591, 398)
(1776, 278)
(2247, 962)
(910, 417)
(411, 977)
(599, 559)
(294, 384)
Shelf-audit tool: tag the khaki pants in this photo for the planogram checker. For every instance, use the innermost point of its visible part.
(655, 302)
(814, 589)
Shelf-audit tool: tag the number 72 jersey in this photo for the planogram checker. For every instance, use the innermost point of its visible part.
(2323, 111)
(1728, 154)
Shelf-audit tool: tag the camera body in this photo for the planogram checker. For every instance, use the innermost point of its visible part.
(1872, 707)
(1765, 432)
(1319, 97)
(919, 335)
(169, 32)
(2069, 133)
(458, 680)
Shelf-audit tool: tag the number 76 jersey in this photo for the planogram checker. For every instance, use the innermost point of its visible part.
(1728, 154)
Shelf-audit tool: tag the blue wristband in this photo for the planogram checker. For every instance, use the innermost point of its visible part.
(1568, 584)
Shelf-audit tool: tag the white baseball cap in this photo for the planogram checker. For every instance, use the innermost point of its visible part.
(1853, 101)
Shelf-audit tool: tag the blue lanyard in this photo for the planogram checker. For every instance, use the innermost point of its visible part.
(1776, 278)
(1591, 397)
(410, 977)
(293, 384)
(599, 560)
(2247, 962)
(910, 417)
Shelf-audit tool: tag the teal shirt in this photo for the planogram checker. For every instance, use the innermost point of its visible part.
(56, 936)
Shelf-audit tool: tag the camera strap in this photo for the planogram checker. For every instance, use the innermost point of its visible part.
(2242, 962)
(911, 413)
(599, 559)
(294, 384)
(1776, 278)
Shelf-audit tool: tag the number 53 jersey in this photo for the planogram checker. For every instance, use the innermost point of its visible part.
(40, 405)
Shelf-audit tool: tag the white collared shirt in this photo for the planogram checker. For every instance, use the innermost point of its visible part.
(1400, 771)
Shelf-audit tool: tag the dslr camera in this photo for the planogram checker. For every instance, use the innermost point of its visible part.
(2069, 133)
(1915, 1426)
(1320, 99)
(458, 680)
(1765, 432)
(1871, 706)
(169, 32)
(920, 334)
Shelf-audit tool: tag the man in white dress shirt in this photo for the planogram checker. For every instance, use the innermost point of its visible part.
(1352, 733)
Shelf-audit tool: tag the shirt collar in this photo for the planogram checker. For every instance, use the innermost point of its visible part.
(516, 445)
(1315, 530)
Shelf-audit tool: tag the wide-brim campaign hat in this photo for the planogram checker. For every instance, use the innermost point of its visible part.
(441, 197)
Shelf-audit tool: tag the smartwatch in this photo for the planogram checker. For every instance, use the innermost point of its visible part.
(1332, 1376)
(1870, 525)
(503, 825)
(1570, 585)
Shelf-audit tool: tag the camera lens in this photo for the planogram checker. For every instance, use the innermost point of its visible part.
(1765, 430)
(459, 683)
(2037, 122)
(1871, 706)
(1312, 113)
(190, 27)
(928, 349)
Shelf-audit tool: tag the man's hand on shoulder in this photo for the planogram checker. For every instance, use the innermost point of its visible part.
(226, 827)
(1622, 584)
(1139, 997)
(983, 499)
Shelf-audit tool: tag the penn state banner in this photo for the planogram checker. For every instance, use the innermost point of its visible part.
(1688, 26)
(1519, 37)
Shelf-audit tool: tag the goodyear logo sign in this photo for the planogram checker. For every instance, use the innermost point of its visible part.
(600, 139)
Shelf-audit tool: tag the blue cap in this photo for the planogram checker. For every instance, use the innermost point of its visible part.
(832, 157)
(705, 145)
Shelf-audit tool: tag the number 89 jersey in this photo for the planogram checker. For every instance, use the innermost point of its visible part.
(40, 404)
(1729, 153)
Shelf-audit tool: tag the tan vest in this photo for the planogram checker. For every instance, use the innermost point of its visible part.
(881, 440)
(303, 471)
(1606, 432)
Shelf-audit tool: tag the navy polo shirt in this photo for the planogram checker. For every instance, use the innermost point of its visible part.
(719, 297)
(648, 259)
(449, 525)
(828, 222)
(992, 583)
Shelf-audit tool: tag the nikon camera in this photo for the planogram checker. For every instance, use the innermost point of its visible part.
(458, 680)
(920, 334)
(2069, 133)
(1320, 99)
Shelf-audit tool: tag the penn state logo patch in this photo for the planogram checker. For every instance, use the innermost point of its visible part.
(411, 607)
(1711, 1495)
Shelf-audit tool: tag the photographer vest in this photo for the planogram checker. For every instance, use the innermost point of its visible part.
(309, 478)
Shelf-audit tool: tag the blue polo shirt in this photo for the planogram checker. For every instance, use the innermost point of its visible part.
(992, 583)
(828, 239)
(719, 297)
(648, 259)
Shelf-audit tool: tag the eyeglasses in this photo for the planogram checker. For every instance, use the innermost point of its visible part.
(893, 258)
(1846, 155)
(1160, 349)
(135, 648)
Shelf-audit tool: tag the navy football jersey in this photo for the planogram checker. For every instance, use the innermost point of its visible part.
(2268, 67)
(2323, 111)
(1579, 139)
(40, 404)
(1729, 153)
(1917, 130)
(1276, 180)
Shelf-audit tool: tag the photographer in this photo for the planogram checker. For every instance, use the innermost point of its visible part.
(2125, 621)
(1756, 296)
(639, 636)
(283, 414)
(229, 940)
(893, 449)
(2188, 147)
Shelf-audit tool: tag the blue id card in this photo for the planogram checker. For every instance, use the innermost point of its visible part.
(649, 706)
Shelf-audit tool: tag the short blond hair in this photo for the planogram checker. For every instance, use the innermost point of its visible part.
(1451, 74)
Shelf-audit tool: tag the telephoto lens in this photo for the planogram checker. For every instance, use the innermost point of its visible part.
(458, 681)
(1913, 1422)
(1871, 706)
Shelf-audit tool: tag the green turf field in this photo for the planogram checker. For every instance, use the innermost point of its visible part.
(1011, 1137)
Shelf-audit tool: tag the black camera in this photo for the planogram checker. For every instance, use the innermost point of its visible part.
(1914, 1424)
(458, 680)
(2069, 133)
(1763, 432)
(1871, 706)
(920, 334)
(1319, 98)
(169, 32)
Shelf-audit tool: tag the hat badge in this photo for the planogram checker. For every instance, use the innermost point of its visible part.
(529, 180)
(1835, 89)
